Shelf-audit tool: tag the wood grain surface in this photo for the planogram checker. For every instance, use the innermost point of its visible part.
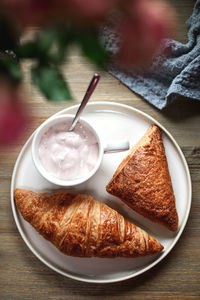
(23, 276)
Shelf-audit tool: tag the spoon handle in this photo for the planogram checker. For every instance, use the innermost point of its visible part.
(90, 89)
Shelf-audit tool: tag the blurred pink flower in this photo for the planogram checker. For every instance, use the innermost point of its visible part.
(37, 12)
(29, 12)
(13, 118)
(149, 21)
(142, 24)
(88, 10)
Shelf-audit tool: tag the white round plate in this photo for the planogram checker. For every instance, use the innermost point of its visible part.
(112, 121)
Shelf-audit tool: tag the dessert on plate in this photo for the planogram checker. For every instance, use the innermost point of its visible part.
(143, 182)
(79, 225)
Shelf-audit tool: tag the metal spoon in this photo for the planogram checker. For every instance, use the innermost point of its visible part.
(90, 89)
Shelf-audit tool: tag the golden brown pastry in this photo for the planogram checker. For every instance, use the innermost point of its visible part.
(143, 182)
(79, 225)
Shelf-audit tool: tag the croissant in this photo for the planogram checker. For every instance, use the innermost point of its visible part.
(143, 182)
(78, 225)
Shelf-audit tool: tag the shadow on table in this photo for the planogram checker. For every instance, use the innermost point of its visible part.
(182, 108)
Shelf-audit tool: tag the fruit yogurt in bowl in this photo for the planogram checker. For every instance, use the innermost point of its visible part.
(63, 157)
(68, 155)
(68, 158)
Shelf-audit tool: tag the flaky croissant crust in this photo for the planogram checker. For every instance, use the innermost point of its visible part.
(78, 225)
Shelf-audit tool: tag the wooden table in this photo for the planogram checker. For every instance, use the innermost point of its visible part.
(23, 276)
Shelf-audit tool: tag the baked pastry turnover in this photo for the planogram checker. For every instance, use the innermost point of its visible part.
(143, 182)
(79, 225)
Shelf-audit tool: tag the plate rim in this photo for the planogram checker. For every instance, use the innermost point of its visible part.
(125, 277)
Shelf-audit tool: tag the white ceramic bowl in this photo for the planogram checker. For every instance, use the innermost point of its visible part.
(35, 153)
(108, 147)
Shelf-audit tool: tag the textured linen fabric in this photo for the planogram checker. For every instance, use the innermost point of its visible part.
(169, 76)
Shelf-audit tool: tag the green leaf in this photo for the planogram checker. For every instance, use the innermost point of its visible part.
(48, 46)
(60, 40)
(46, 39)
(28, 50)
(11, 70)
(50, 82)
(92, 47)
(38, 48)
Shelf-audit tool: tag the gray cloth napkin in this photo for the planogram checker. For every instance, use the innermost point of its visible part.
(169, 76)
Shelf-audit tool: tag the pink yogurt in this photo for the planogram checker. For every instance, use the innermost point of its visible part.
(68, 155)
